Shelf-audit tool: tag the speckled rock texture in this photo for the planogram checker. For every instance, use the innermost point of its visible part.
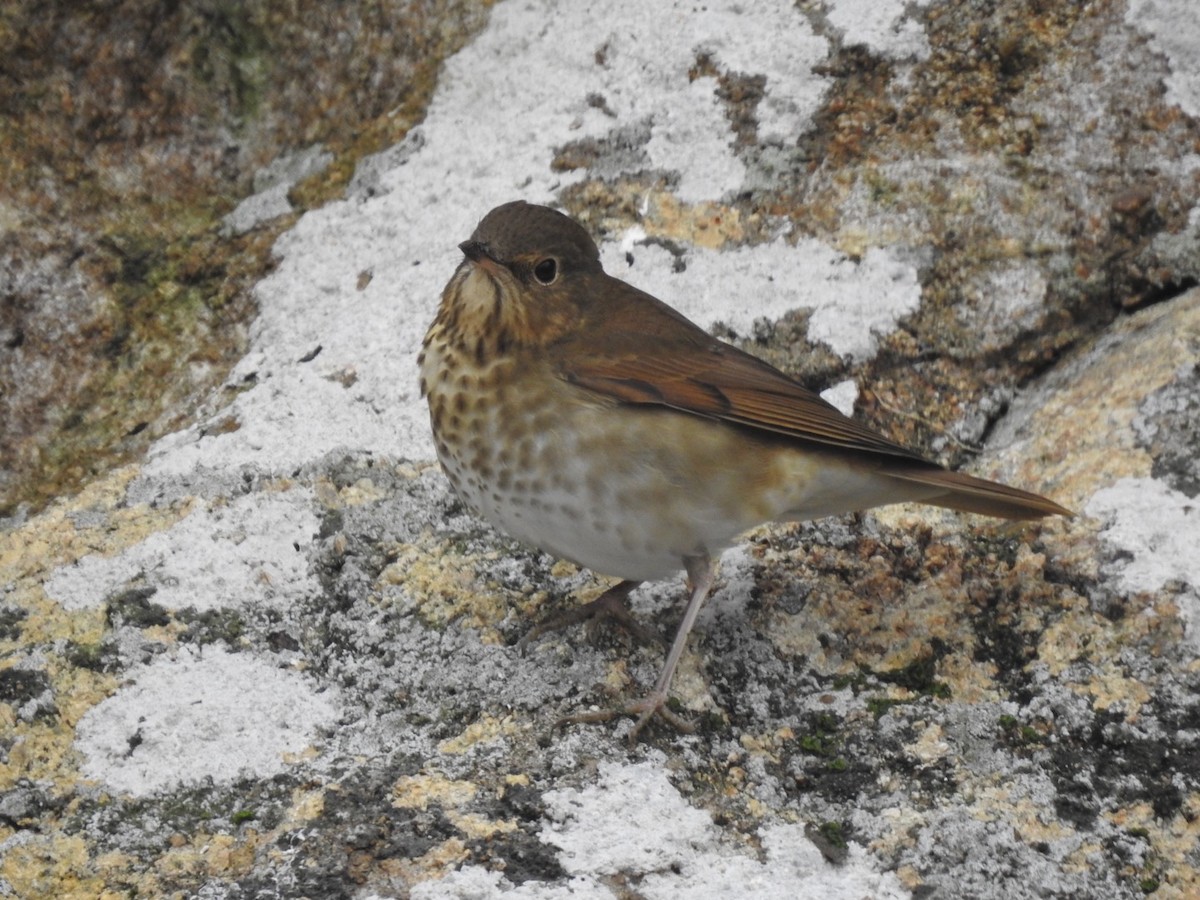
(252, 646)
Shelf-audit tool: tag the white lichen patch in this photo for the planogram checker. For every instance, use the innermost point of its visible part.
(854, 302)
(255, 549)
(1155, 531)
(202, 715)
(634, 823)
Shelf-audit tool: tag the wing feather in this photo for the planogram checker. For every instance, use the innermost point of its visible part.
(670, 362)
(721, 382)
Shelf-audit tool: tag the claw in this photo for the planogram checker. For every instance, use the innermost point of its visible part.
(612, 604)
(652, 705)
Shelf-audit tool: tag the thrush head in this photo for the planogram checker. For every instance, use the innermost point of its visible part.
(523, 281)
(536, 243)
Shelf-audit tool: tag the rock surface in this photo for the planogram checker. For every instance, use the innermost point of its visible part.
(270, 655)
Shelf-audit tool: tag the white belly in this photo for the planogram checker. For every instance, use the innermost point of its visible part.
(633, 501)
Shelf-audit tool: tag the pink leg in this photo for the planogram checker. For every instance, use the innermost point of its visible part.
(701, 571)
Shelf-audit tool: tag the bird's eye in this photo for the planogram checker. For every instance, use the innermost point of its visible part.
(546, 270)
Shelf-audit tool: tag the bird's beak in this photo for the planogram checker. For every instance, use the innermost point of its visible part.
(477, 252)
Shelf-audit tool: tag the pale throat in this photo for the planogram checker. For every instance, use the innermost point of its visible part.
(484, 302)
(488, 310)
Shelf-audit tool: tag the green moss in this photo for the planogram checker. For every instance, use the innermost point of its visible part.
(811, 743)
(877, 706)
(211, 626)
(98, 657)
(855, 682)
(1018, 733)
(833, 833)
(822, 734)
(827, 723)
(133, 608)
(11, 618)
(232, 54)
(1031, 735)
(243, 815)
(940, 690)
(883, 191)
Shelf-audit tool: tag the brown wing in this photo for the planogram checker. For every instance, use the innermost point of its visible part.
(644, 352)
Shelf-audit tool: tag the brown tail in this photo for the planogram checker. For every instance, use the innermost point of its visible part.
(966, 493)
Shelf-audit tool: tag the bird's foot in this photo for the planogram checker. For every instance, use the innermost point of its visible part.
(652, 705)
(610, 605)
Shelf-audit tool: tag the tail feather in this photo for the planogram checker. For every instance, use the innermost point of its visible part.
(966, 493)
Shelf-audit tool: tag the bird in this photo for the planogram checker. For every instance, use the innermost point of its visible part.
(592, 421)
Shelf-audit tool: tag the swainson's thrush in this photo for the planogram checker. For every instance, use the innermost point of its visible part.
(584, 417)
